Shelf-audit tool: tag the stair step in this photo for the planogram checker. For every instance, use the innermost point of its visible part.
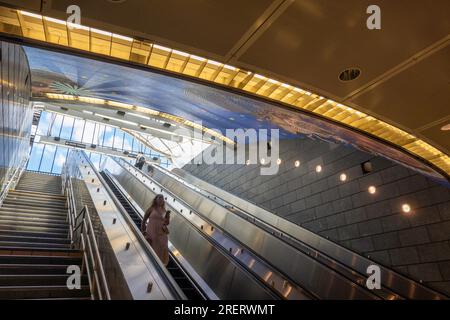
(26, 209)
(18, 198)
(36, 203)
(40, 229)
(28, 233)
(55, 269)
(40, 190)
(40, 259)
(38, 280)
(19, 239)
(37, 224)
(32, 217)
(39, 251)
(37, 194)
(34, 244)
(32, 209)
(39, 292)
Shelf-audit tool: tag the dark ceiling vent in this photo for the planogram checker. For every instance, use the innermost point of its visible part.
(121, 113)
(105, 119)
(349, 74)
(64, 109)
(167, 125)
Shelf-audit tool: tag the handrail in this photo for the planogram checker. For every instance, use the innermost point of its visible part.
(82, 236)
(14, 179)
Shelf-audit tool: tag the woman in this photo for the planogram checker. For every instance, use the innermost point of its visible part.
(156, 230)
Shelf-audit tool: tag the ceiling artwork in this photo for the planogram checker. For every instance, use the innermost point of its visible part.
(54, 72)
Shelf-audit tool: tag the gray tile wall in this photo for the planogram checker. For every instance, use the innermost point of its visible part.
(416, 244)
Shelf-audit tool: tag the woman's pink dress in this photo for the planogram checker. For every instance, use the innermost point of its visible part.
(156, 236)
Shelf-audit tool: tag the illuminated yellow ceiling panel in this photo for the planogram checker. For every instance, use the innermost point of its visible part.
(46, 29)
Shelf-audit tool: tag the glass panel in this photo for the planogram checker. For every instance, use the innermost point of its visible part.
(35, 157)
(118, 140)
(108, 137)
(44, 123)
(66, 130)
(47, 158)
(95, 159)
(60, 159)
(57, 123)
(99, 134)
(135, 145)
(77, 132)
(89, 130)
(127, 142)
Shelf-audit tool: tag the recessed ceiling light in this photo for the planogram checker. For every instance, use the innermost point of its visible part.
(343, 177)
(278, 161)
(446, 127)
(318, 168)
(263, 161)
(297, 163)
(349, 74)
(372, 190)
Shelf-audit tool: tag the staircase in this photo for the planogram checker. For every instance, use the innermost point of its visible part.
(34, 245)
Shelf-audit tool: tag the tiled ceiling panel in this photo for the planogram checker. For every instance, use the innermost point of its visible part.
(416, 96)
(313, 41)
(210, 25)
(34, 5)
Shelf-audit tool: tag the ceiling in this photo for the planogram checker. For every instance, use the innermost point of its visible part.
(405, 66)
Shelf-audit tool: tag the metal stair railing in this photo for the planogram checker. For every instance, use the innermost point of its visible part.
(82, 237)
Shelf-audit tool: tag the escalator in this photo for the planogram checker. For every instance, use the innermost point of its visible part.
(211, 256)
(227, 211)
(181, 277)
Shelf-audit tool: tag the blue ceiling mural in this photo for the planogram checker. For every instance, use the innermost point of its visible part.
(217, 109)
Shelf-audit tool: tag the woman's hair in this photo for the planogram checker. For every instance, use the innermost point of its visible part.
(154, 205)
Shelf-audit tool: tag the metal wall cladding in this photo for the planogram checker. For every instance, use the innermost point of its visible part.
(16, 112)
